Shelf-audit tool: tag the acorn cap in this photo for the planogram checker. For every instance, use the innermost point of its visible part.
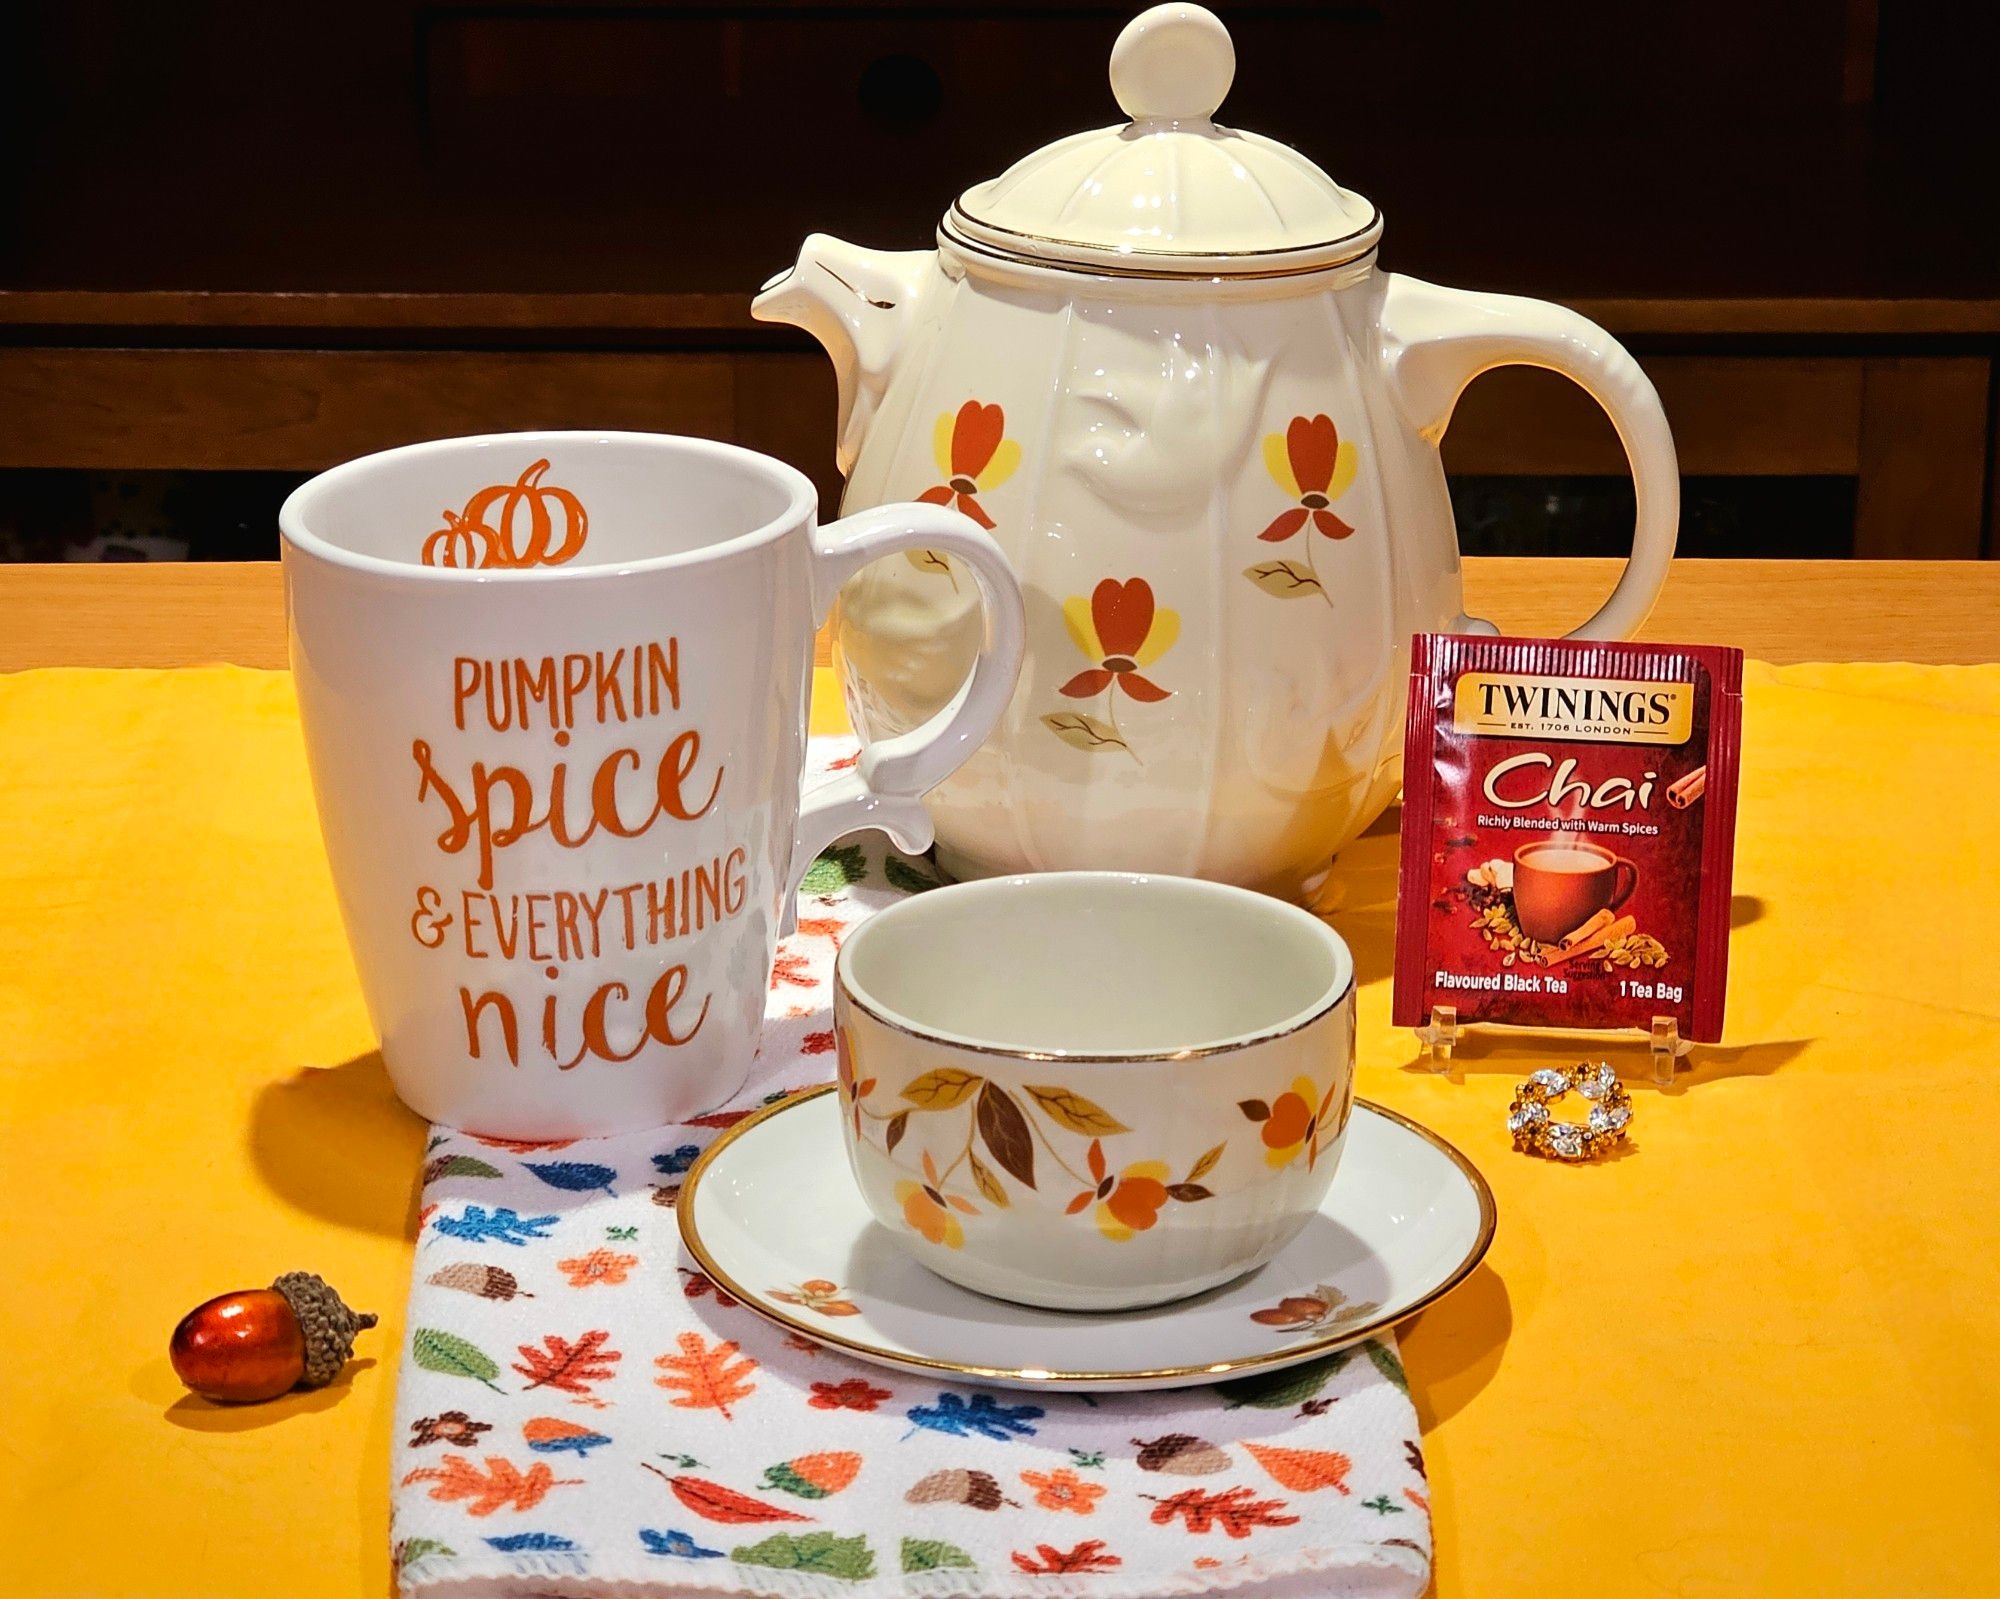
(329, 1326)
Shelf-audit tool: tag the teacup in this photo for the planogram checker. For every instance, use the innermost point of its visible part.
(1094, 1090)
(1561, 881)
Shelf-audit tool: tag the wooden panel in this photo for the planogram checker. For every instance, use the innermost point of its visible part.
(1731, 416)
(785, 406)
(288, 409)
(182, 615)
(1924, 433)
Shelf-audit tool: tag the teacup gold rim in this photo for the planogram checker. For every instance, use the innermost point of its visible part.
(1037, 1376)
(939, 1037)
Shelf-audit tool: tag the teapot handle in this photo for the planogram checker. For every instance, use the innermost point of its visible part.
(1437, 340)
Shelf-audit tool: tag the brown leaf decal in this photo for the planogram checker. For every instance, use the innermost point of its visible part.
(1083, 732)
(1181, 1454)
(1287, 580)
(989, 1185)
(1188, 1193)
(1206, 1164)
(1292, 1311)
(1078, 1114)
(941, 1089)
(892, 1135)
(1006, 1134)
(1255, 1109)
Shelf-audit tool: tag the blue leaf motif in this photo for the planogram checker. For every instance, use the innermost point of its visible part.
(519, 1542)
(677, 1161)
(580, 1442)
(574, 1176)
(675, 1543)
(499, 1226)
(983, 1416)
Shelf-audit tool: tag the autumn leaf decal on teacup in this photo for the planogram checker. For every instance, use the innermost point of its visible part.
(1314, 466)
(1295, 1121)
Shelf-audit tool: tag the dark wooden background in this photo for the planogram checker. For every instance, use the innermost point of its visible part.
(241, 242)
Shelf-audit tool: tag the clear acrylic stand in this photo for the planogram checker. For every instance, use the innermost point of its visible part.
(1443, 1033)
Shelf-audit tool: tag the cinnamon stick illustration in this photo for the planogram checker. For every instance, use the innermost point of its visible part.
(1598, 921)
(1689, 789)
(1583, 946)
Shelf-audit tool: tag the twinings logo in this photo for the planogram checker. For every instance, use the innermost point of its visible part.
(1603, 710)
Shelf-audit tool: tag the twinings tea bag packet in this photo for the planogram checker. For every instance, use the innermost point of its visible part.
(1569, 818)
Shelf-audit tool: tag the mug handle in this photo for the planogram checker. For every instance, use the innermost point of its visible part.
(1437, 340)
(885, 787)
(1630, 879)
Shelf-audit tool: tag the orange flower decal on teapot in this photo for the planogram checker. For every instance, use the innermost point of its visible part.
(527, 534)
(1314, 466)
(974, 455)
(1121, 630)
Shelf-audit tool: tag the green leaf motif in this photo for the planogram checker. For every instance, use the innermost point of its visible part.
(820, 1552)
(839, 867)
(1388, 1363)
(466, 1166)
(1280, 1390)
(907, 875)
(411, 1550)
(452, 1356)
(786, 1480)
(928, 1554)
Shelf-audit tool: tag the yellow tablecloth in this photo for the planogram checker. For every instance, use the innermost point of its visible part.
(1756, 1354)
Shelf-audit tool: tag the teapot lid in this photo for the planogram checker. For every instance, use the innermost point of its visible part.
(1171, 193)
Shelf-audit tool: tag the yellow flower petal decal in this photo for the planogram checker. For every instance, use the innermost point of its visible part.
(1005, 458)
(941, 444)
(1166, 628)
(1076, 612)
(1345, 463)
(1278, 462)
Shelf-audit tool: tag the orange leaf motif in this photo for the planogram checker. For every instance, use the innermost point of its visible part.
(1235, 1512)
(1302, 1470)
(502, 1486)
(571, 1367)
(1048, 1561)
(713, 1502)
(708, 1377)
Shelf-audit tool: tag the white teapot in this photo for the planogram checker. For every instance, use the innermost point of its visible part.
(1159, 363)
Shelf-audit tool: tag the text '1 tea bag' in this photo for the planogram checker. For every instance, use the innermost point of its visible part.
(1569, 815)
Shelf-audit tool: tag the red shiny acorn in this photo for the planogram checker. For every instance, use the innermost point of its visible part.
(258, 1343)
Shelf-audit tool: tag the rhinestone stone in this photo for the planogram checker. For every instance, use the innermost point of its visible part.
(1550, 1081)
(1609, 1118)
(1526, 1118)
(1567, 1141)
(1598, 1083)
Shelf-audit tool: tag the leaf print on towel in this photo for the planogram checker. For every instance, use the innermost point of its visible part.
(458, 1166)
(696, 1283)
(1063, 1489)
(982, 1416)
(411, 1550)
(855, 1393)
(931, 1554)
(1049, 1561)
(1280, 1390)
(838, 867)
(1303, 1471)
(1181, 1454)
(599, 1266)
(551, 1435)
(452, 1356)
(713, 1502)
(818, 1552)
(814, 1476)
(570, 1367)
(574, 1176)
(1237, 1512)
(501, 1226)
(531, 1543)
(676, 1161)
(707, 1376)
(501, 1486)
(978, 1490)
(447, 1427)
(488, 1282)
(675, 1543)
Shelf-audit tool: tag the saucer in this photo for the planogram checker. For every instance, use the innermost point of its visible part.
(772, 1214)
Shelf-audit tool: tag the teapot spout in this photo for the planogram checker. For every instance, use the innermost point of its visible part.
(859, 304)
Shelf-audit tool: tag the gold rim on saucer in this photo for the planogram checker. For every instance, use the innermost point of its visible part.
(1295, 1354)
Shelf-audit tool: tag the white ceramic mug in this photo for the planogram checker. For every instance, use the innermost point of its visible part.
(1094, 1090)
(554, 689)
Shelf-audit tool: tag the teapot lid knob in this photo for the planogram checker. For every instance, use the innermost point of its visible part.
(1173, 63)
